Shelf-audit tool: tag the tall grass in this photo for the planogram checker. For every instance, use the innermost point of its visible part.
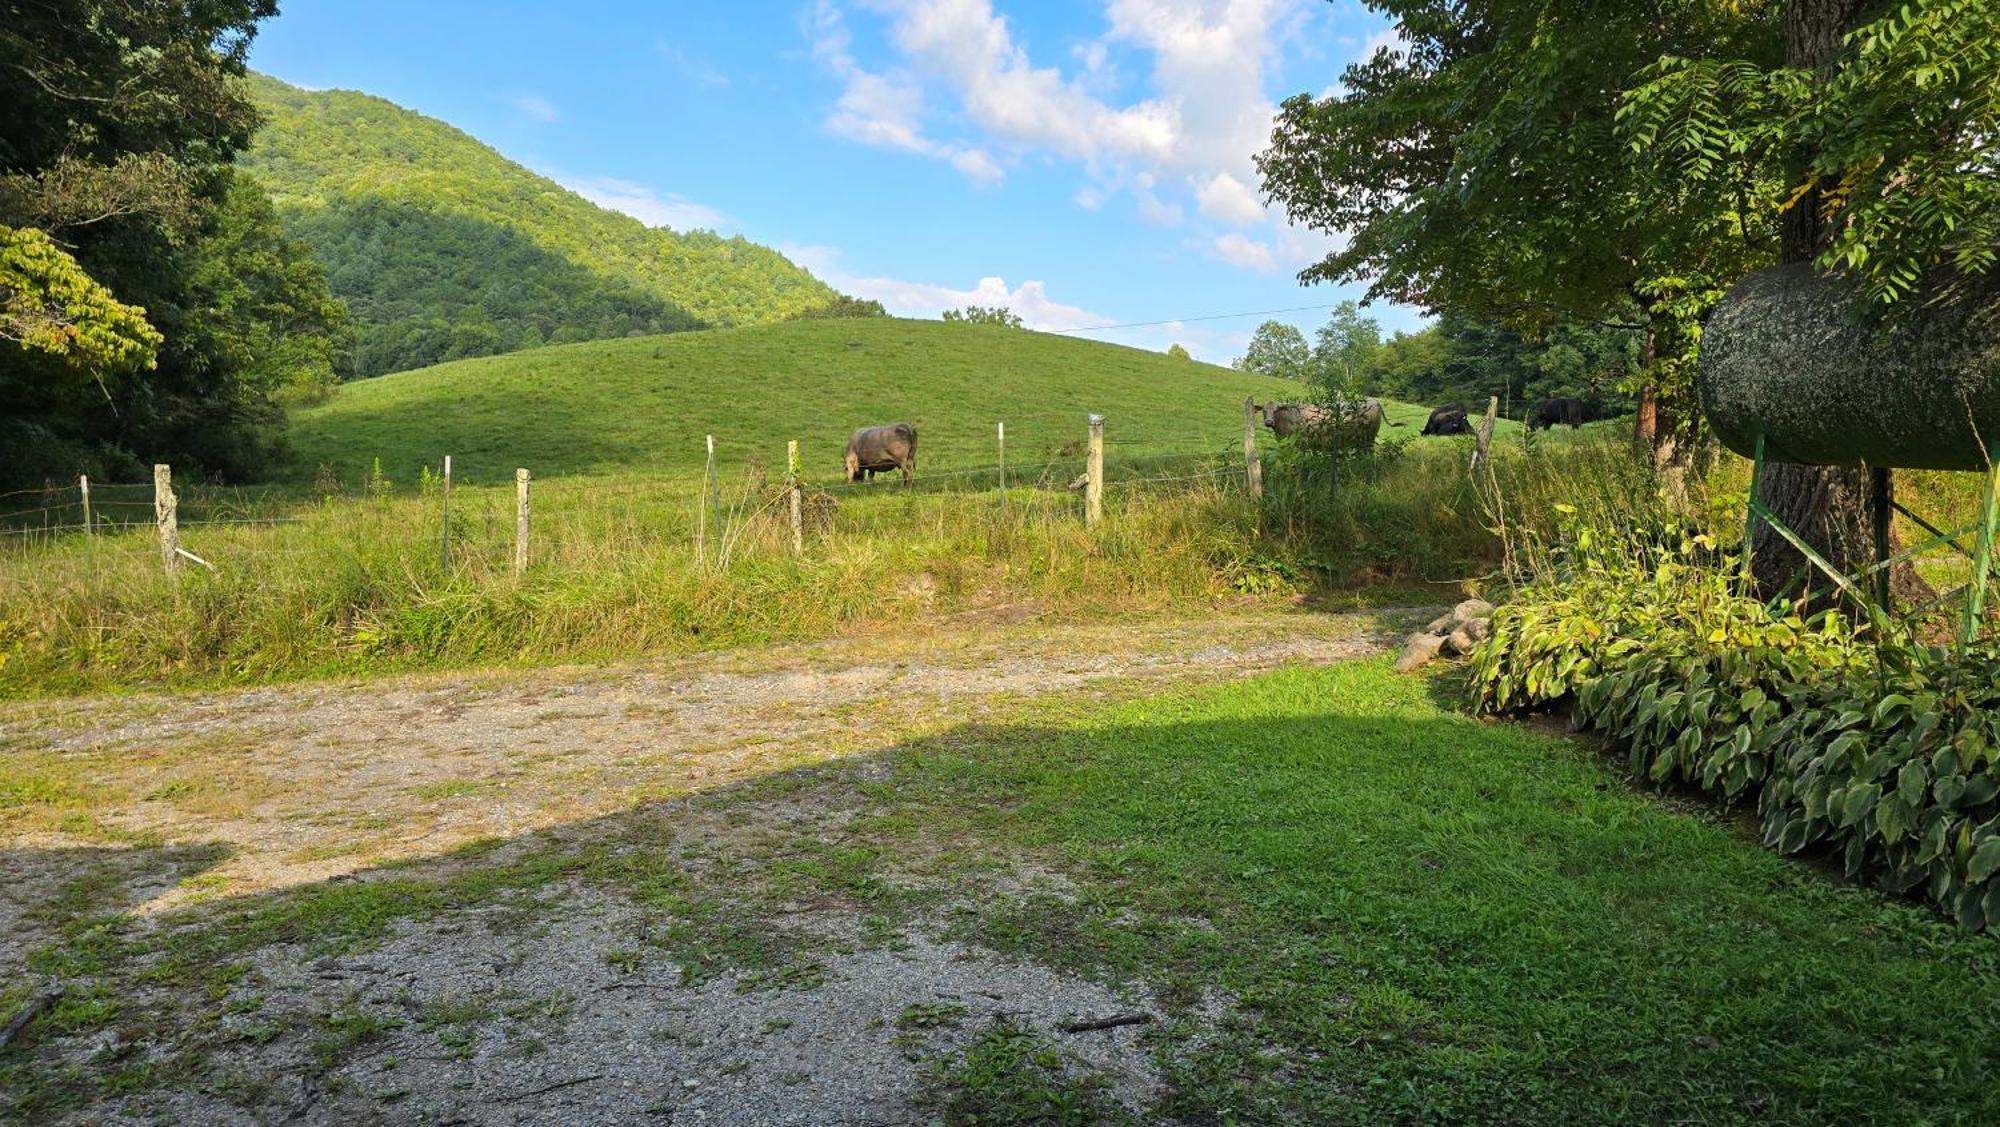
(355, 582)
(360, 584)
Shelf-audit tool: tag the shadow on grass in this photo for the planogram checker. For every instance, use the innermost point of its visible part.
(1352, 907)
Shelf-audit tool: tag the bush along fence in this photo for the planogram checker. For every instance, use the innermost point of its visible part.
(1880, 750)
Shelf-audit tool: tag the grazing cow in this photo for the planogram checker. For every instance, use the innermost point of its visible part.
(1568, 411)
(1288, 419)
(1448, 419)
(875, 450)
(1356, 423)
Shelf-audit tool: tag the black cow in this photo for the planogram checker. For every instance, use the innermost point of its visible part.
(1448, 419)
(1567, 411)
(875, 450)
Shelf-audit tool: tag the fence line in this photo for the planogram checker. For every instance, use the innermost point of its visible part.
(578, 510)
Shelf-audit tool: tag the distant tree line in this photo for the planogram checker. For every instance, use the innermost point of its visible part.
(984, 315)
(1458, 359)
(842, 306)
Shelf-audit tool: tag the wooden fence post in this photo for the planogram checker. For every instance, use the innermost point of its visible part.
(1484, 442)
(520, 522)
(706, 511)
(1253, 466)
(83, 486)
(444, 519)
(1093, 490)
(166, 514)
(798, 497)
(1000, 433)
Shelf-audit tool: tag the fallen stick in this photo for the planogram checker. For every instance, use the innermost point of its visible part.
(1094, 1024)
(29, 1012)
(546, 1089)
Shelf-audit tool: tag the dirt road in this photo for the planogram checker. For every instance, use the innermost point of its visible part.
(564, 996)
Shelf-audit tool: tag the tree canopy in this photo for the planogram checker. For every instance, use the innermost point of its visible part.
(1277, 350)
(132, 255)
(984, 315)
(1479, 169)
(48, 304)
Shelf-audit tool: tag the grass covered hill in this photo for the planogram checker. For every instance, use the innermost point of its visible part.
(644, 405)
(444, 249)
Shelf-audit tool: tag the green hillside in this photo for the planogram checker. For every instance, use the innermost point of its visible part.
(644, 405)
(445, 249)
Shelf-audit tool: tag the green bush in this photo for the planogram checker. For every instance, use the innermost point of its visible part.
(1881, 749)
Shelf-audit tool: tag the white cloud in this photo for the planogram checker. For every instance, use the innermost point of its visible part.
(643, 203)
(1156, 211)
(1299, 247)
(886, 110)
(1030, 300)
(968, 47)
(1240, 250)
(960, 87)
(1228, 199)
(536, 109)
(978, 166)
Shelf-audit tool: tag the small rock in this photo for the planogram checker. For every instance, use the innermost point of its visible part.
(1442, 624)
(1470, 609)
(1479, 629)
(690, 1085)
(1461, 641)
(1421, 648)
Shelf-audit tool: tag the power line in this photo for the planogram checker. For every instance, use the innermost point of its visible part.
(1184, 320)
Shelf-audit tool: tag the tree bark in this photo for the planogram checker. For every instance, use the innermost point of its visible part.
(1826, 505)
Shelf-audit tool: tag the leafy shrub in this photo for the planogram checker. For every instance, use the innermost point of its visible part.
(1882, 749)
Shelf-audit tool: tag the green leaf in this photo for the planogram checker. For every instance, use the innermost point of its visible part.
(1985, 860)
(1860, 800)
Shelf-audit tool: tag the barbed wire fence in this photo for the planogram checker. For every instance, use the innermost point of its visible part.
(105, 525)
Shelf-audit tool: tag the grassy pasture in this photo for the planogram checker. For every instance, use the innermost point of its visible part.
(348, 576)
(644, 405)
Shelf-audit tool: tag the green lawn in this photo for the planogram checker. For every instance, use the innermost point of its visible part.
(1430, 917)
(1405, 914)
(644, 405)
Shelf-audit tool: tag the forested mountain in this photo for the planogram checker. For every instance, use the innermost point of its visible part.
(444, 249)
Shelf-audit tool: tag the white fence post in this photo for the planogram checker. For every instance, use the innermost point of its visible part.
(1253, 467)
(1093, 490)
(797, 497)
(166, 514)
(520, 522)
(444, 518)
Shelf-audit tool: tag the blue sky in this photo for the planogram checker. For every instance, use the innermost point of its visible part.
(1085, 163)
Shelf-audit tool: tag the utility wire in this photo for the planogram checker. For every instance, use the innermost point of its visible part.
(1184, 320)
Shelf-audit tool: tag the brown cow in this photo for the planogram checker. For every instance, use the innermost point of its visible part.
(875, 450)
(1357, 421)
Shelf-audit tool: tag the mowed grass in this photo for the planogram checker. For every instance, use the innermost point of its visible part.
(1427, 918)
(1351, 904)
(646, 405)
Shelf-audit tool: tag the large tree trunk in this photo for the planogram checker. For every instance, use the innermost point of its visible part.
(1826, 505)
